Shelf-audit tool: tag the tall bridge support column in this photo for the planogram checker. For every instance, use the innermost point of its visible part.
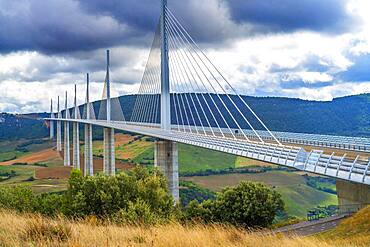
(166, 159)
(59, 136)
(51, 125)
(88, 166)
(67, 159)
(59, 129)
(352, 196)
(76, 146)
(109, 162)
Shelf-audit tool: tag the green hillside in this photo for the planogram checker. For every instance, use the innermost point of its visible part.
(193, 159)
(341, 116)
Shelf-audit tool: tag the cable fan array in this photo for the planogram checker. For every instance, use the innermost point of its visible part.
(199, 100)
(147, 105)
(115, 104)
(203, 102)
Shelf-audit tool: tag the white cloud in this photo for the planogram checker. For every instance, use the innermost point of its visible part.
(328, 92)
(271, 64)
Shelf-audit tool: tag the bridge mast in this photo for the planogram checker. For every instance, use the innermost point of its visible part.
(108, 89)
(51, 123)
(67, 160)
(59, 129)
(166, 152)
(165, 81)
(109, 165)
(88, 166)
(76, 136)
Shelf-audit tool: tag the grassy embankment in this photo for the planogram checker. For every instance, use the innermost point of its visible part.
(32, 230)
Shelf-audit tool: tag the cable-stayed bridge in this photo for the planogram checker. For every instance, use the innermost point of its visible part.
(184, 98)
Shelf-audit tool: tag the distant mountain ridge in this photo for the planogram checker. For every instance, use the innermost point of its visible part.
(349, 116)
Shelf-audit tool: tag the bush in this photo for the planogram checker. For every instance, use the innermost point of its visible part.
(116, 196)
(246, 205)
(138, 196)
(137, 213)
(19, 198)
(49, 204)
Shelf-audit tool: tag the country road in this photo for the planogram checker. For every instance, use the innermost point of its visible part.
(311, 227)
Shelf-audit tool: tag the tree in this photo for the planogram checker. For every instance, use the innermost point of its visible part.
(247, 205)
(137, 191)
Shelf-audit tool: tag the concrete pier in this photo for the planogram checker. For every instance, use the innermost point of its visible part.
(109, 162)
(51, 123)
(76, 136)
(166, 159)
(88, 166)
(352, 196)
(59, 136)
(67, 158)
(76, 146)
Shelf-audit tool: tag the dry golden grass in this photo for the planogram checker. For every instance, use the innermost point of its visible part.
(354, 230)
(31, 230)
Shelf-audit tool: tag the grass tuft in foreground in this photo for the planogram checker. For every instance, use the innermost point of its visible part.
(31, 230)
(354, 230)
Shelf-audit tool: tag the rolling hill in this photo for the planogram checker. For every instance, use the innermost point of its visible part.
(341, 116)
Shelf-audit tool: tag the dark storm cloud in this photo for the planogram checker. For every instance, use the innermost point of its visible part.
(290, 15)
(55, 26)
(359, 71)
(58, 26)
(139, 14)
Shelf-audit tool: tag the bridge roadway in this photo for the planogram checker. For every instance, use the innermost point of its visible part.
(315, 161)
(345, 143)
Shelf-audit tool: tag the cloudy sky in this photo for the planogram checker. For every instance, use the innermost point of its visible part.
(309, 49)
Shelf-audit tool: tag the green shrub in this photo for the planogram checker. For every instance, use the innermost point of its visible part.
(117, 196)
(19, 198)
(246, 205)
(49, 204)
(137, 213)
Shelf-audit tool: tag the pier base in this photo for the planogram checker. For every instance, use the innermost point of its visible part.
(88, 166)
(166, 159)
(109, 163)
(352, 196)
(76, 146)
(67, 158)
(51, 126)
(59, 136)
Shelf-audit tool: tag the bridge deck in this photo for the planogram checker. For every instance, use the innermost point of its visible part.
(316, 161)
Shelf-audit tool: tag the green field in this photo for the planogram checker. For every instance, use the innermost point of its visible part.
(11, 155)
(24, 176)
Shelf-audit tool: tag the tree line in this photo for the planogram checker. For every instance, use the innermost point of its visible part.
(141, 196)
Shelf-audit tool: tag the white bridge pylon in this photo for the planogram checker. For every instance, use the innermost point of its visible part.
(183, 97)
